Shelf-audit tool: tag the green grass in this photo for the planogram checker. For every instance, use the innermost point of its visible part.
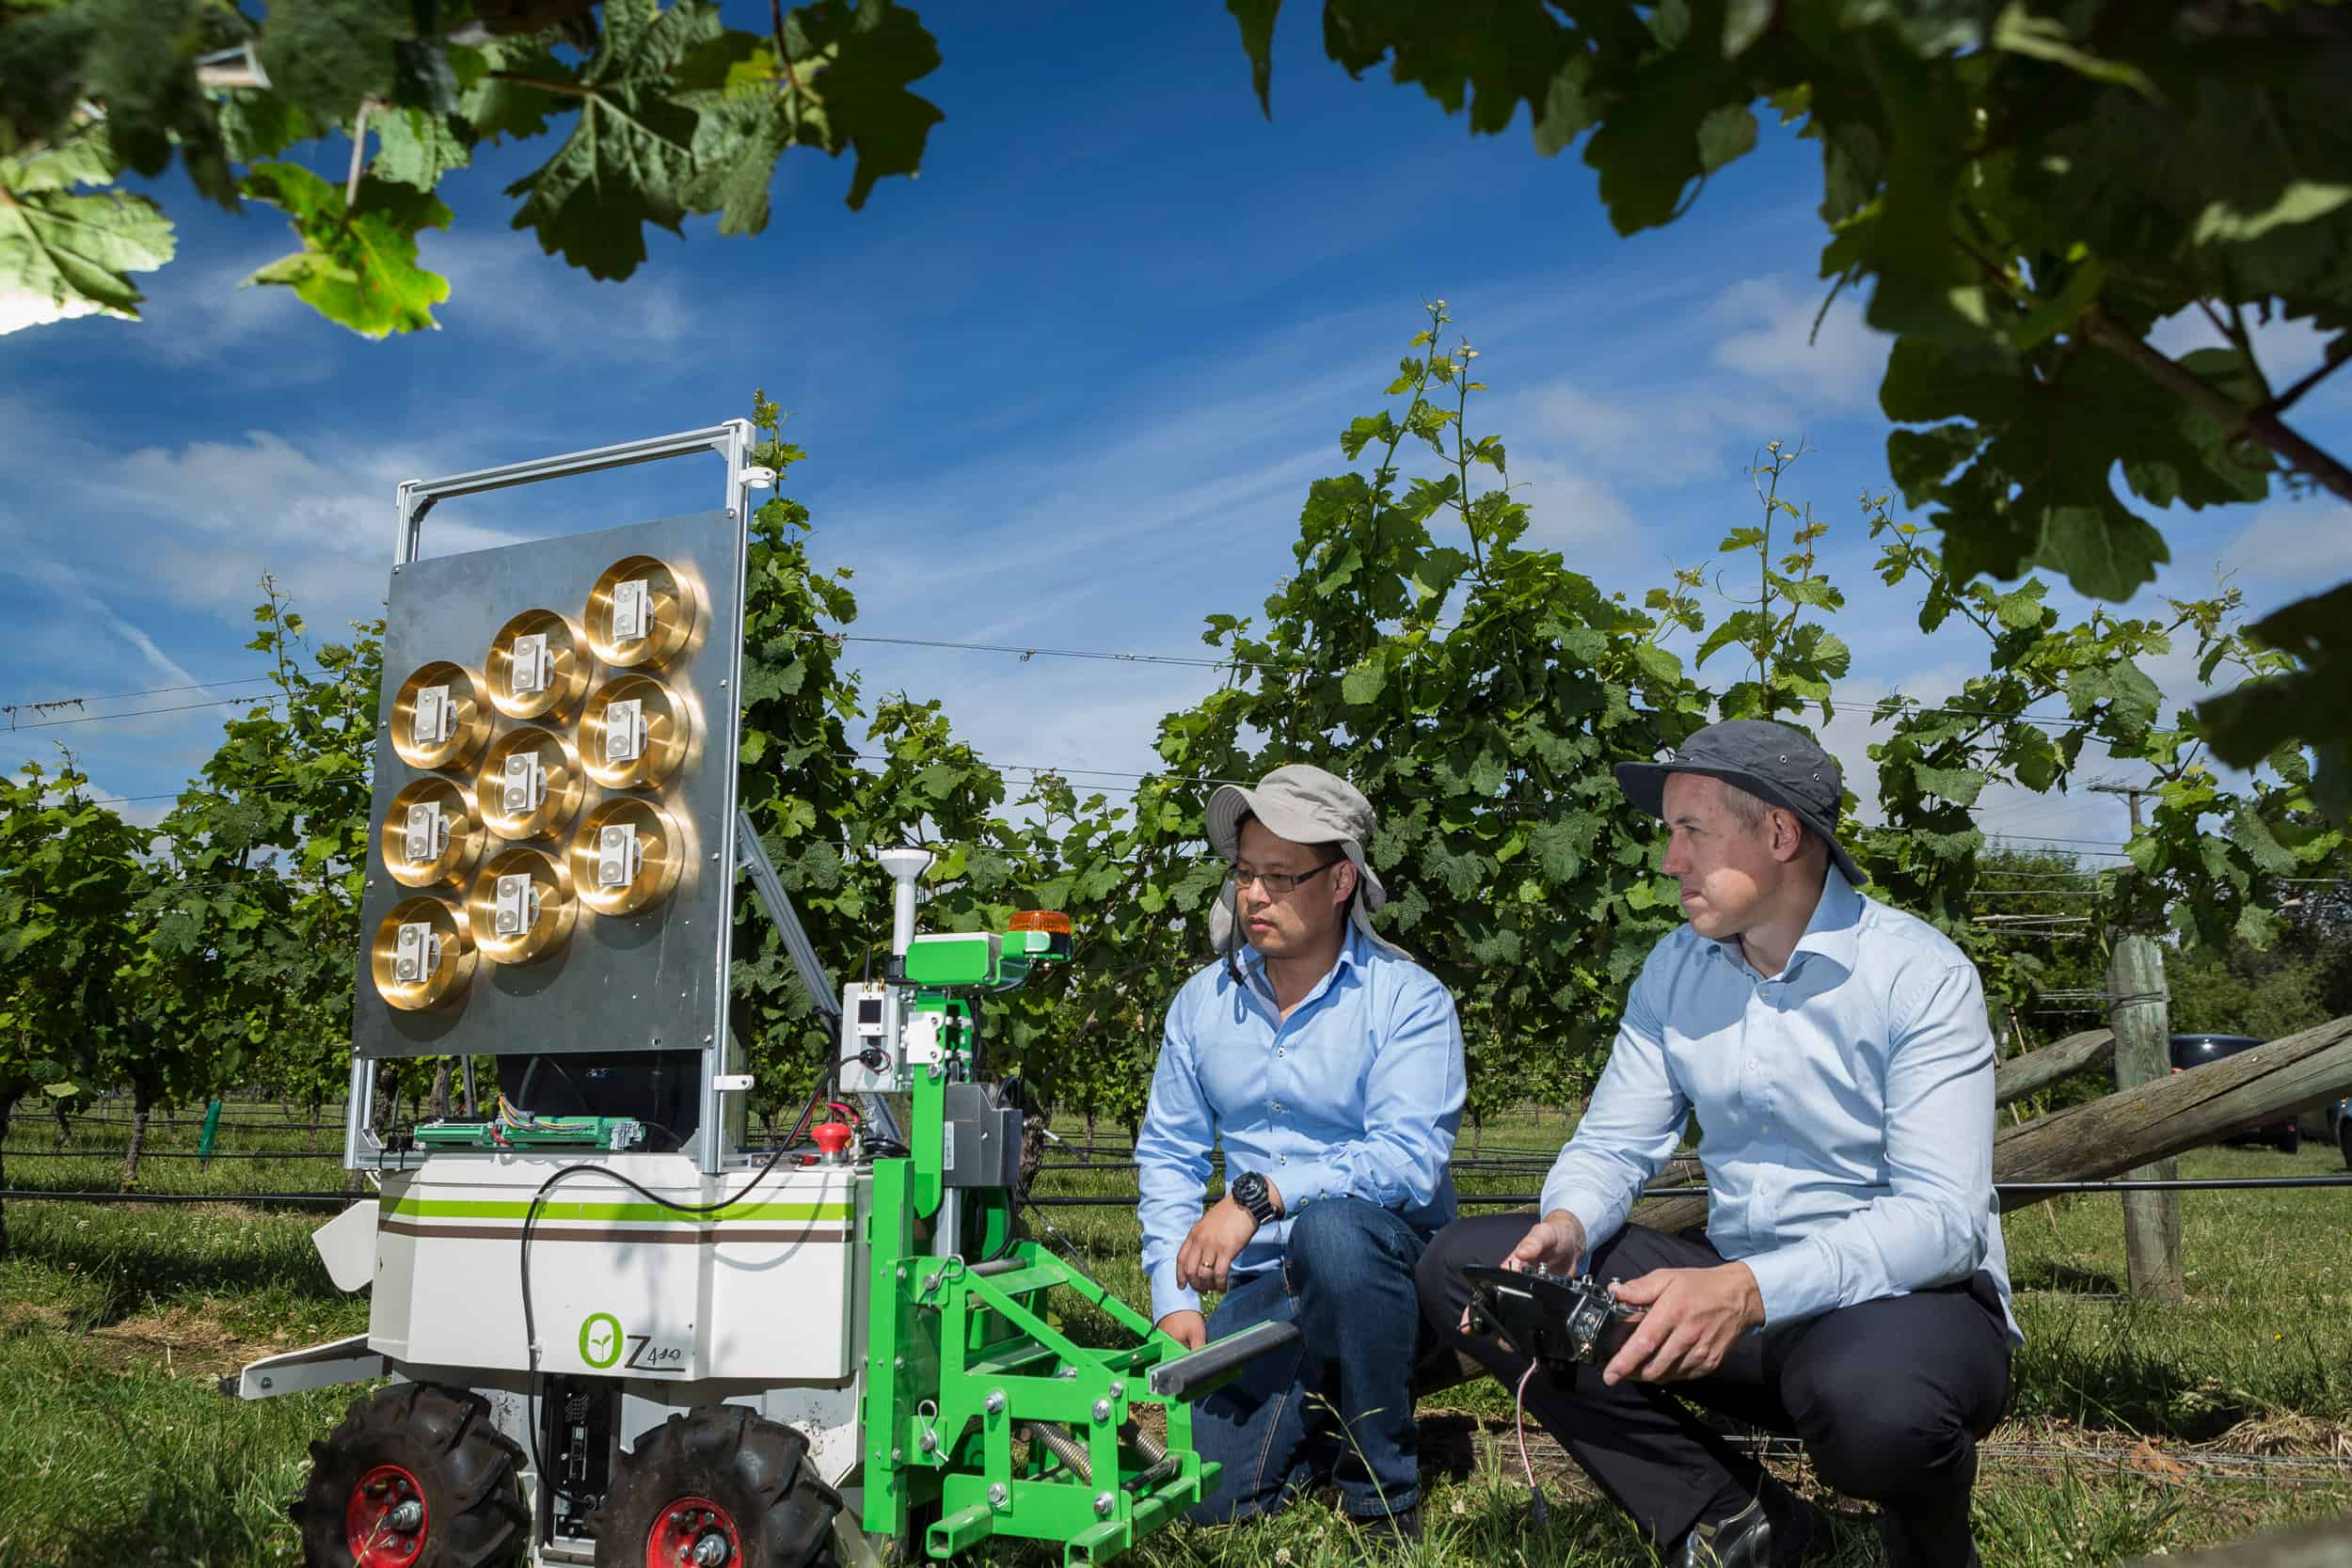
(117, 1449)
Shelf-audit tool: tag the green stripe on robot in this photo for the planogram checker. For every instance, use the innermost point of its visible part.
(652, 1213)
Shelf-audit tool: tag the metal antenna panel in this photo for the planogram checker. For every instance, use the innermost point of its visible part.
(587, 904)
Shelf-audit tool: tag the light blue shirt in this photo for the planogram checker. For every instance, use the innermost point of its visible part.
(1845, 1104)
(1358, 1093)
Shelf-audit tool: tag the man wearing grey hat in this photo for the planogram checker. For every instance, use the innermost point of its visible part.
(1329, 1066)
(1850, 1287)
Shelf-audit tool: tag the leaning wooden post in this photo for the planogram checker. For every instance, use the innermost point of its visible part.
(2139, 1010)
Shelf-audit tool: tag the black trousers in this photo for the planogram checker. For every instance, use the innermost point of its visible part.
(1889, 1397)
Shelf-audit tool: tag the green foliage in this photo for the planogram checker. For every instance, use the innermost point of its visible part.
(1792, 664)
(662, 111)
(2024, 191)
(2242, 992)
(357, 265)
(75, 248)
(70, 871)
(248, 966)
(1475, 689)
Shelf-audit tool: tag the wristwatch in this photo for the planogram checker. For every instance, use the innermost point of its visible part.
(1249, 1190)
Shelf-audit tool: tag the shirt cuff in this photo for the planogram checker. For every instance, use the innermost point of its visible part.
(1167, 1296)
(1593, 1214)
(1304, 1182)
(1794, 1281)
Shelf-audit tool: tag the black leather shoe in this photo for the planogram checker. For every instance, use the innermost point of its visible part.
(1399, 1530)
(1775, 1530)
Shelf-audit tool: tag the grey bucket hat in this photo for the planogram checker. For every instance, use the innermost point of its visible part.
(1306, 806)
(1778, 764)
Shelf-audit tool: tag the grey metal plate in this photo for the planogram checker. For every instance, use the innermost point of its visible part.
(657, 978)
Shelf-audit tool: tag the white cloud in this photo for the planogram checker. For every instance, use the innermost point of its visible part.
(1659, 440)
(206, 316)
(66, 587)
(1571, 511)
(1837, 368)
(2301, 545)
(502, 284)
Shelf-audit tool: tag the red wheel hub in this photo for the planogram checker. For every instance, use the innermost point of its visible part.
(384, 1520)
(693, 1532)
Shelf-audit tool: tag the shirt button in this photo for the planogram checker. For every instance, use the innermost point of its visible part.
(1279, 1051)
(1282, 1158)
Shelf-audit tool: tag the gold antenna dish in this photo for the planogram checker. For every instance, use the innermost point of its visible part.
(639, 613)
(521, 907)
(432, 834)
(538, 665)
(626, 856)
(633, 734)
(531, 783)
(439, 718)
(422, 955)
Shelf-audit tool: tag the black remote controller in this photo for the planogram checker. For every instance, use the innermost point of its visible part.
(1560, 1321)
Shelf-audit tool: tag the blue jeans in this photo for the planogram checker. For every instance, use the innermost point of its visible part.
(1341, 1400)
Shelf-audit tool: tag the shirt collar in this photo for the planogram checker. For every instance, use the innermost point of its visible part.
(1835, 930)
(1354, 954)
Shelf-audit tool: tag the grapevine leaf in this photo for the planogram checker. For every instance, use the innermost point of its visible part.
(2249, 832)
(2269, 711)
(845, 90)
(1960, 785)
(356, 267)
(518, 86)
(416, 147)
(1256, 20)
(326, 57)
(1728, 131)
(628, 161)
(136, 59)
(257, 125)
(69, 253)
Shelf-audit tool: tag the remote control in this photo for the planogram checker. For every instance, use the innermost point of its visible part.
(1558, 1320)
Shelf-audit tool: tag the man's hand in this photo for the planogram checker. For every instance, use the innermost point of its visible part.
(1693, 1316)
(1553, 1244)
(1185, 1327)
(1207, 1255)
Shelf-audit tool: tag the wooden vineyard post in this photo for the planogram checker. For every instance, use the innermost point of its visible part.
(2137, 1007)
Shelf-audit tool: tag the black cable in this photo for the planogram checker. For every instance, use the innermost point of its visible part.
(530, 1328)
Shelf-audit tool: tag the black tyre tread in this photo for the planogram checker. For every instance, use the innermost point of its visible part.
(446, 1438)
(754, 1468)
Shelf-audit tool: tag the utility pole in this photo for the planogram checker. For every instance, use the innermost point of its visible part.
(2134, 791)
(2139, 1011)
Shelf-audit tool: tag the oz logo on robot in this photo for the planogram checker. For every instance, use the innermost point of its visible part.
(602, 1341)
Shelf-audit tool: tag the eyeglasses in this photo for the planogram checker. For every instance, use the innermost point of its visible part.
(1278, 883)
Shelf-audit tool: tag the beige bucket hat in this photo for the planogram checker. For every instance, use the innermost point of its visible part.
(1304, 804)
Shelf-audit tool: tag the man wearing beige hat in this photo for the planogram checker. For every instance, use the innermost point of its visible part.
(1329, 1066)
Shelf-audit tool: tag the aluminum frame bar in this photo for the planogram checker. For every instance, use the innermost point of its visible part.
(731, 440)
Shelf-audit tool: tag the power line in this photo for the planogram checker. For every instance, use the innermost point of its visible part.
(1297, 666)
(131, 713)
(151, 691)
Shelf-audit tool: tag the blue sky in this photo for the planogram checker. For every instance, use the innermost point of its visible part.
(1066, 390)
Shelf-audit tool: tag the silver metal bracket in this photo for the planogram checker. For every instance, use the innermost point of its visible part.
(326, 1365)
